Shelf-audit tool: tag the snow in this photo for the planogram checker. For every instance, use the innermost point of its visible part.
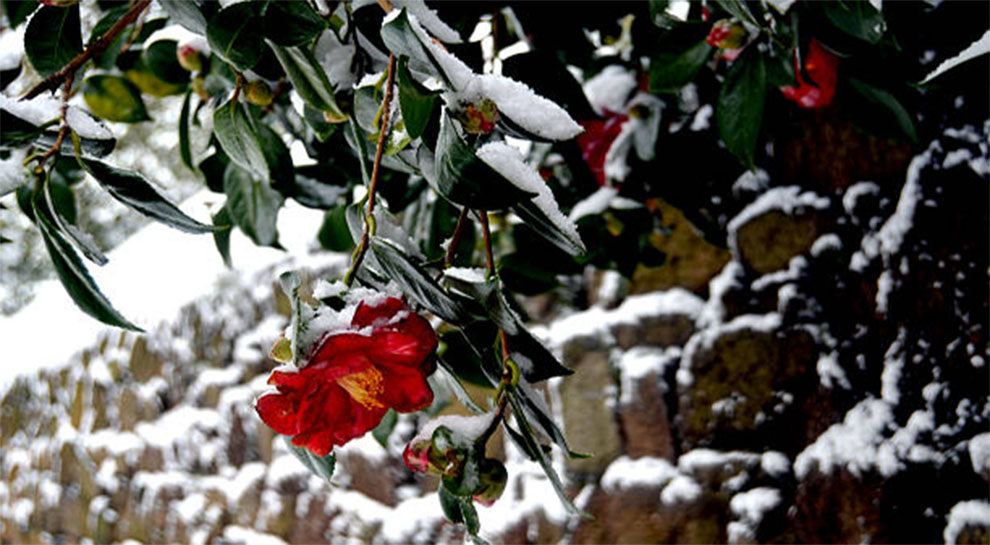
(826, 243)
(713, 312)
(250, 475)
(509, 163)
(465, 428)
(609, 90)
(458, 73)
(593, 204)
(750, 507)
(705, 339)
(413, 520)
(789, 200)
(975, 49)
(699, 459)
(647, 471)
(285, 468)
(775, 464)
(966, 513)
(239, 535)
(429, 20)
(517, 101)
(853, 444)
(830, 373)
(979, 453)
(681, 489)
(887, 241)
(855, 192)
(751, 181)
(11, 48)
(702, 120)
(640, 362)
(893, 368)
(471, 275)
(44, 108)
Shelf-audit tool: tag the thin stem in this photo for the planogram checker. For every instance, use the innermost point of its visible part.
(99, 46)
(369, 219)
(64, 118)
(455, 238)
(483, 217)
(238, 83)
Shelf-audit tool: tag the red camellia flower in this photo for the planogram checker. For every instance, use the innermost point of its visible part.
(822, 67)
(597, 137)
(353, 378)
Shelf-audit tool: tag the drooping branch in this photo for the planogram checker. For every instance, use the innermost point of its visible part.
(369, 219)
(97, 47)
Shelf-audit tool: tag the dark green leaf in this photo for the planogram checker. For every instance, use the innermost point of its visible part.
(451, 505)
(888, 104)
(253, 205)
(235, 33)
(238, 138)
(133, 190)
(417, 284)
(415, 101)
(184, 150)
(525, 277)
(533, 447)
(401, 39)
(108, 57)
(280, 169)
(75, 278)
(740, 105)
(17, 11)
(221, 235)
(53, 38)
(668, 74)
(536, 410)
(465, 179)
(16, 132)
(314, 118)
(321, 466)
(739, 10)
(318, 186)
(292, 23)
(334, 234)
(385, 427)
(187, 13)
(534, 216)
(114, 98)
(161, 59)
(60, 202)
(856, 18)
(463, 483)
(309, 79)
(213, 168)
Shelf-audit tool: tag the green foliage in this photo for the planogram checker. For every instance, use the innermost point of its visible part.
(114, 98)
(740, 106)
(53, 38)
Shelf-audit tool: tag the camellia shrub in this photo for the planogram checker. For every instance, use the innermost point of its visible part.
(465, 155)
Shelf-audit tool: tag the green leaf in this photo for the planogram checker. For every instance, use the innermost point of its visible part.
(321, 466)
(534, 216)
(187, 13)
(17, 132)
(75, 278)
(533, 446)
(525, 277)
(309, 79)
(131, 62)
(740, 105)
(161, 59)
(302, 313)
(469, 354)
(739, 10)
(114, 98)
(334, 235)
(465, 179)
(451, 505)
(889, 107)
(281, 171)
(235, 33)
(184, 150)
(223, 224)
(253, 205)
(536, 409)
(668, 74)
(60, 202)
(465, 482)
(415, 101)
(385, 427)
(238, 138)
(292, 23)
(417, 284)
(401, 39)
(133, 190)
(856, 18)
(108, 57)
(53, 38)
(314, 118)
(17, 11)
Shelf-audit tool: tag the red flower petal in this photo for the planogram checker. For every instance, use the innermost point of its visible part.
(279, 412)
(406, 390)
(365, 315)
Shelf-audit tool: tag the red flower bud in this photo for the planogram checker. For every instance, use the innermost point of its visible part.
(417, 456)
(353, 378)
(479, 118)
(189, 58)
(822, 67)
(726, 35)
(493, 478)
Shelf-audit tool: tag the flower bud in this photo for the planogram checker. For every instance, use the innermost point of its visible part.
(479, 118)
(493, 477)
(417, 456)
(190, 58)
(258, 93)
(726, 35)
(199, 87)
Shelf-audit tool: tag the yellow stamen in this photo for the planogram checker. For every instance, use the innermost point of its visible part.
(364, 386)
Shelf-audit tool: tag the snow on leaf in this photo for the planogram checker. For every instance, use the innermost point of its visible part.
(429, 20)
(534, 113)
(975, 49)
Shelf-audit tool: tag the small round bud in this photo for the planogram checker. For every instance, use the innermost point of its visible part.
(493, 477)
(258, 93)
(726, 35)
(189, 57)
(479, 118)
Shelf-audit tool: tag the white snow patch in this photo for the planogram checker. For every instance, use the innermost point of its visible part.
(701, 122)
(789, 200)
(979, 453)
(750, 507)
(775, 464)
(11, 48)
(593, 204)
(465, 428)
(853, 444)
(705, 339)
(830, 373)
(523, 106)
(825, 243)
(966, 513)
(893, 367)
(855, 192)
(239, 535)
(640, 362)
(647, 471)
(609, 90)
(751, 182)
(429, 19)
(681, 489)
(975, 49)
(45, 108)
(885, 285)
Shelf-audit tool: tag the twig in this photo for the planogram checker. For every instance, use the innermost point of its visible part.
(483, 217)
(99, 46)
(369, 218)
(455, 238)
(64, 127)
(238, 83)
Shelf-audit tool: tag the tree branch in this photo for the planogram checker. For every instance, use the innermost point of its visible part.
(99, 46)
(369, 218)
